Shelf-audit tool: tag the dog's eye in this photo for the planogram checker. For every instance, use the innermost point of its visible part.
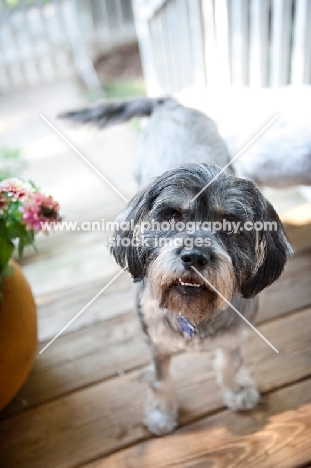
(174, 217)
(227, 231)
(230, 226)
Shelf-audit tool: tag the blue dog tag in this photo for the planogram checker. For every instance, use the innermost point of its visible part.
(186, 326)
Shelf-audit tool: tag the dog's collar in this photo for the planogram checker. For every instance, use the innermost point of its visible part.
(186, 326)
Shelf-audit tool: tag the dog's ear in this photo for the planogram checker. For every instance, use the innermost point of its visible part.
(272, 251)
(124, 244)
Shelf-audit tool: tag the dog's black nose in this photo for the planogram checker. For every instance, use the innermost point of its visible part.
(194, 258)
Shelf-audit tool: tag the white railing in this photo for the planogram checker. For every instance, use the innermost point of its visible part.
(255, 43)
(41, 40)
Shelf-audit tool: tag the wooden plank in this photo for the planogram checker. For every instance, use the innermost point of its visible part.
(156, 44)
(301, 237)
(280, 42)
(127, 12)
(221, 28)
(197, 42)
(210, 48)
(172, 45)
(299, 215)
(184, 44)
(292, 291)
(119, 14)
(259, 41)
(33, 69)
(169, 47)
(48, 63)
(163, 59)
(11, 45)
(57, 309)
(6, 76)
(278, 438)
(239, 45)
(300, 65)
(298, 233)
(146, 49)
(150, 8)
(63, 57)
(105, 417)
(307, 76)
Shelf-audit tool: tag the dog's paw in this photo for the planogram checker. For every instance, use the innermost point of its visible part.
(245, 399)
(160, 412)
(160, 423)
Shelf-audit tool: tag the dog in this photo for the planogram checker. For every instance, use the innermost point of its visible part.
(192, 278)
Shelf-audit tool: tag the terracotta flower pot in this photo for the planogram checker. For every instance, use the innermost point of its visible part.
(18, 334)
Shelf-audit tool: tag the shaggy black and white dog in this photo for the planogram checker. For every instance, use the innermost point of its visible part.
(191, 254)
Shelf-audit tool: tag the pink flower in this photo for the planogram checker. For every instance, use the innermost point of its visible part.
(39, 208)
(15, 189)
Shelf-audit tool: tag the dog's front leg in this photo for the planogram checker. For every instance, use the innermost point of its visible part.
(238, 387)
(161, 408)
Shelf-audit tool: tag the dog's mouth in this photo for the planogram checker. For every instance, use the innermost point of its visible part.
(192, 287)
(190, 296)
(189, 284)
(193, 283)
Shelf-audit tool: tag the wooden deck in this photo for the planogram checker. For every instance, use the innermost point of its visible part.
(82, 404)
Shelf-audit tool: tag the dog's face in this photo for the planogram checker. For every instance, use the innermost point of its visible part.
(179, 241)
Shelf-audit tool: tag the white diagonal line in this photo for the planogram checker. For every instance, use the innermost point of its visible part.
(235, 157)
(83, 157)
(82, 310)
(236, 310)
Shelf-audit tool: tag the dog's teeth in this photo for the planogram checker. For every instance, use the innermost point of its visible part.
(193, 285)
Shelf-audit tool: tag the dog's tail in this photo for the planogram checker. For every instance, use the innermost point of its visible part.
(105, 114)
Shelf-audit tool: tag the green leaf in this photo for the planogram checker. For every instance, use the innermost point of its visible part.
(34, 186)
(11, 162)
(15, 229)
(31, 238)
(6, 250)
(21, 246)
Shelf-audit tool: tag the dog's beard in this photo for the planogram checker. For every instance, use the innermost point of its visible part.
(183, 291)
